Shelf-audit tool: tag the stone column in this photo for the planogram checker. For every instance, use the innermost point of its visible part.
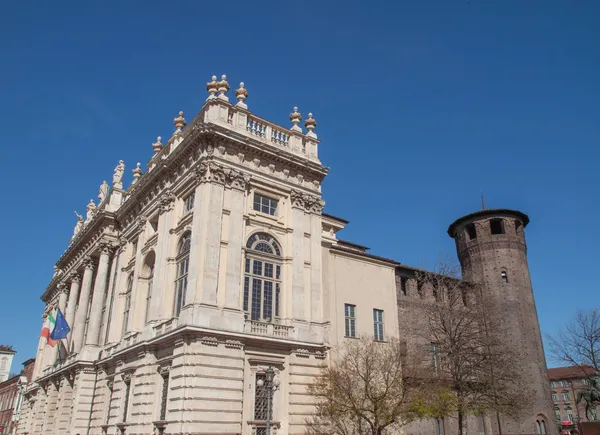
(72, 304)
(98, 295)
(80, 316)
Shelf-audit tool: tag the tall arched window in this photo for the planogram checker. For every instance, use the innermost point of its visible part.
(148, 272)
(183, 266)
(127, 306)
(262, 278)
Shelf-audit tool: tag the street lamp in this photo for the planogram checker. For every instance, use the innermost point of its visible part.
(271, 384)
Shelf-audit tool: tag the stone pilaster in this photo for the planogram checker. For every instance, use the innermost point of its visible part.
(235, 242)
(98, 296)
(298, 299)
(81, 314)
(160, 284)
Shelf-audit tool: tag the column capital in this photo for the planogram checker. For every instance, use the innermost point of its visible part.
(62, 287)
(105, 248)
(167, 202)
(236, 179)
(75, 277)
(88, 263)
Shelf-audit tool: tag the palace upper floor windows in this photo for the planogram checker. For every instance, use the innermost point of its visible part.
(262, 278)
(188, 203)
(183, 267)
(264, 204)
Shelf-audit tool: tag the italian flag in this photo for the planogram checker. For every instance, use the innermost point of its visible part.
(47, 328)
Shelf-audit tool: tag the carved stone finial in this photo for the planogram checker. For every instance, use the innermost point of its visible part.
(296, 117)
(241, 94)
(157, 146)
(118, 175)
(179, 122)
(223, 88)
(90, 211)
(310, 125)
(137, 173)
(212, 87)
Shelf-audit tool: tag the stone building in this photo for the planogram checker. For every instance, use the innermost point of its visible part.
(6, 356)
(213, 265)
(566, 383)
(11, 398)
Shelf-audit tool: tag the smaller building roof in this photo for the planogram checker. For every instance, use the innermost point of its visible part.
(570, 372)
(336, 218)
(6, 348)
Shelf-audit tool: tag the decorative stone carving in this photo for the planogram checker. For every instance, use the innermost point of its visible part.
(75, 277)
(308, 203)
(103, 191)
(286, 173)
(78, 225)
(140, 224)
(164, 369)
(297, 199)
(62, 288)
(88, 263)
(90, 211)
(310, 125)
(110, 384)
(127, 376)
(302, 353)
(167, 202)
(271, 168)
(236, 179)
(118, 175)
(209, 341)
(241, 157)
(216, 173)
(233, 344)
(320, 354)
(57, 272)
(200, 173)
(105, 248)
(256, 163)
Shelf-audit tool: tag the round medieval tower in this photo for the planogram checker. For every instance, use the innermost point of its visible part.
(492, 250)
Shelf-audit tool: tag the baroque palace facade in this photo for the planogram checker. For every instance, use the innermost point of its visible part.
(216, 264)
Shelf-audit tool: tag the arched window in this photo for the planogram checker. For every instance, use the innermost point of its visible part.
(127, 306)
(183, 266)
(148, 272)
(262, 277)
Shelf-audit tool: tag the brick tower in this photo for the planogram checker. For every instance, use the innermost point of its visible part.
(492, 250)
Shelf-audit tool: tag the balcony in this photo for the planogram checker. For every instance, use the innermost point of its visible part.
(165, 327)
(268, 329)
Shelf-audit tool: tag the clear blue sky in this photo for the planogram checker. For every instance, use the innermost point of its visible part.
(420, 104)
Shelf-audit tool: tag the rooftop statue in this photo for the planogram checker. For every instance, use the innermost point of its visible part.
(90, 211)
(78, 225)
(118, 175)
(103, 193)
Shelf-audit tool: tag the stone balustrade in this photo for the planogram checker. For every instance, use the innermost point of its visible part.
(268, 329)
(165, 327)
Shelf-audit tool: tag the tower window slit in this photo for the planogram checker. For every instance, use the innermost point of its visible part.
(471, 232)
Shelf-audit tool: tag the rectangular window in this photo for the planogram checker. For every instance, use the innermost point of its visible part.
(554, 397)
(277, 299)
(480, 425)
(439, 426)
(265, 204)
(566, 397)
(557, 413)
(268, 270)
(246, 292)
(378, 324)
(126, 314)
(126, 404)
(260, 398)
(256, 285)
(189, 202)
(569, 415)
(403, 285)
(350, 317)
(497, 226)
(257, 267)
(268, 301)
(165, 393)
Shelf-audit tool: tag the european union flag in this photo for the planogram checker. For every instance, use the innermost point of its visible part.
(61, 327)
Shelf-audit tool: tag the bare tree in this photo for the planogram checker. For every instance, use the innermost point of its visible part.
(475, 370)
(367, 388)
(578, 344)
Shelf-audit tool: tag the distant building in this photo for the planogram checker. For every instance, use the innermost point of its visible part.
(6, 356)
(11, 398)
(566, 383)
